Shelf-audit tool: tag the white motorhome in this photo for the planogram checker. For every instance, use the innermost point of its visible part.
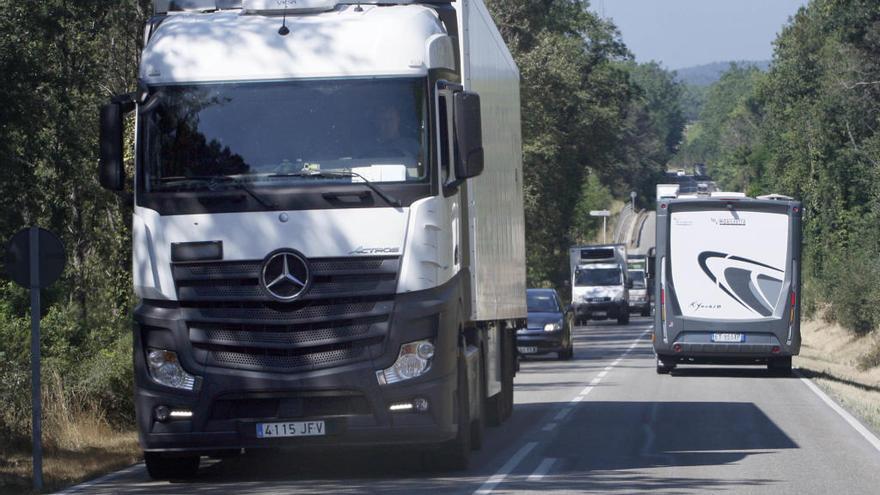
(728, 280)
(328, 226)
(600, 283)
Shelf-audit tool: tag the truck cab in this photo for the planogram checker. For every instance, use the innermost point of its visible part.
(600, 283)
(308, 178)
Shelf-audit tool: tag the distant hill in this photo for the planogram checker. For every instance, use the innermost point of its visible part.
(706, 75)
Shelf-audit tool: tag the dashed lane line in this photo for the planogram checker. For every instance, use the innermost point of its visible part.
(499, 477)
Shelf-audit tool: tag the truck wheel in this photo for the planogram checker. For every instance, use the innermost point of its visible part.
(500, 406)
(780, 366)
(664, 368)
(171, 468)
(646, 311)
(455, 455)
(623, 319)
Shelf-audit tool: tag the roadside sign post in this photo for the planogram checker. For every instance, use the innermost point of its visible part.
(633, 196)
(604, 214)
(35, 259)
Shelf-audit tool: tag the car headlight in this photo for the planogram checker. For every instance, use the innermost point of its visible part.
(165, 370)
(553, 327)
(413, 360)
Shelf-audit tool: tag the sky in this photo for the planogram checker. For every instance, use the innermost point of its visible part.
(684, 33)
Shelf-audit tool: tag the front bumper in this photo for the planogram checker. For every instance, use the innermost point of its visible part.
(542, 342)
(228, 403)
(609, 309)
(698, 348)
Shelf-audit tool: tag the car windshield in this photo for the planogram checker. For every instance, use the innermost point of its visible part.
(542, 303)
(638, 278)
(597, 277)
(273, 133)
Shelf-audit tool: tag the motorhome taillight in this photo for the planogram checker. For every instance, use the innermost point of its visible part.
(662, 296)
(791, 309)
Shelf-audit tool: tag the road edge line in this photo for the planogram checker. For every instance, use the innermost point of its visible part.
(102, 479)
(843, 413)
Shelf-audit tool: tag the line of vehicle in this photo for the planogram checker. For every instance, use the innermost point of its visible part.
(850, 420)
(489, 485)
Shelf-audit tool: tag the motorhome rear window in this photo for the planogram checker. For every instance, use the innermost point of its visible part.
(729, 264)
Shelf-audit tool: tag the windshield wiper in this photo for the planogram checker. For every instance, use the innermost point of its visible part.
(342, 174)
(239, 181)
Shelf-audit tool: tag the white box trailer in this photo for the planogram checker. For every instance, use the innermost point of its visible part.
(328, 207)
(728, 280)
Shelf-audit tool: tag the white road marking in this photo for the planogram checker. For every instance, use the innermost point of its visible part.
(853, 422)
(562, 414)
(542, 469)
(506, 469)
(489, 485)
(97, 481)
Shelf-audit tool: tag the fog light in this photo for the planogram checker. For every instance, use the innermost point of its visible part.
(676, 348)
(162, 413)
(775, 349)
(165, 370)
(418, 404)
(413, 360)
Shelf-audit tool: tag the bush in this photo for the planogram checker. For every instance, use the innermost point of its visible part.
(852, 290)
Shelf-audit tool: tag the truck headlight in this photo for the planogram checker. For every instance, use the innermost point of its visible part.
(553, 327)
(165, 370)
(413, 360)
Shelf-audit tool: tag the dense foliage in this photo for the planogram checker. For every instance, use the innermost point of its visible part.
(810, 128)
(595, 124)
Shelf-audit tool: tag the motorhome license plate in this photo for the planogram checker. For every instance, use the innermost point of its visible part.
(291, 429)
(728, 337)
(527, 350)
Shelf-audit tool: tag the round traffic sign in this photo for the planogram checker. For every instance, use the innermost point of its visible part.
(50, 253)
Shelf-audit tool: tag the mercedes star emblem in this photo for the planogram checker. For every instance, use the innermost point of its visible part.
(285, 275)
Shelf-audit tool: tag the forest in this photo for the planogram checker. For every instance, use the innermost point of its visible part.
(596, 125)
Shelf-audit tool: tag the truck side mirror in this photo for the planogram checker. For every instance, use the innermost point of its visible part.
(111, 169)
(468, 135)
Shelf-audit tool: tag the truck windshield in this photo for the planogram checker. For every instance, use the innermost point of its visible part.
(542, 303)
(597, 277)
(271, 133)
(638, 278)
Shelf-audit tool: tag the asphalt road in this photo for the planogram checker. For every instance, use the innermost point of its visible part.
(603, 423)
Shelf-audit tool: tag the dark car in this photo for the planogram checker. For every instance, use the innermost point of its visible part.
(549, 328)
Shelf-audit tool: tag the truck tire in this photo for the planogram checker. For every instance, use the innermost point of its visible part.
(780, 366)
(455, 455)
(500, 406)
(646, 311)
(623, 319)
(171, 468)
(664, 368)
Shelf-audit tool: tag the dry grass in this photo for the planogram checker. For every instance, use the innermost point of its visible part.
(79, 444)
(835, 359)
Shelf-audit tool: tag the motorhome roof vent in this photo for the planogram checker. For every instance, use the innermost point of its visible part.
(269, 7)
(721, 194)
(776, 197)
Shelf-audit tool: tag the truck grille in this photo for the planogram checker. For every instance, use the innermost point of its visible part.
(233, 323)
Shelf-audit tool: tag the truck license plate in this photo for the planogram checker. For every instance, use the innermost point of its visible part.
(291, 429)
(728, 337)
(527, 350)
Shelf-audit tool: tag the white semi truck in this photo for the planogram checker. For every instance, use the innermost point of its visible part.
(600, 283)
(328, 227)
(728, 280)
